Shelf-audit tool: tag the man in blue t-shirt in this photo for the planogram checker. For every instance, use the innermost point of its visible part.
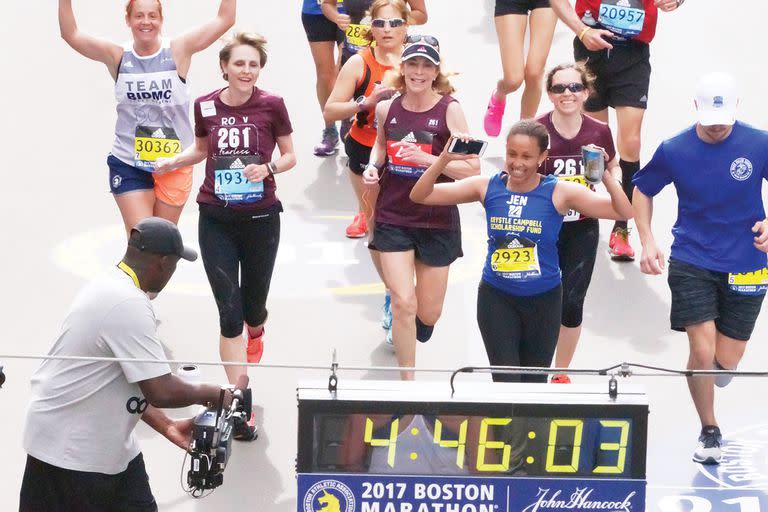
(717, 265)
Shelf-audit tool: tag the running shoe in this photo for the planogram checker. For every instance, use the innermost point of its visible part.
(560, 379)
(245, 430)
(358, 228)
(329, 143)
(722, 380)
(494, 115)
(388, 339)
(708, 451)
(386, 317)
(255, 348)
(619, 245)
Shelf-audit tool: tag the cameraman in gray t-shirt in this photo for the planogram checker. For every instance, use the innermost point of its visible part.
(82, 454)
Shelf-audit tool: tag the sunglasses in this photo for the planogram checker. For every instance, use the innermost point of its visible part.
(418, 38)
(392, 22)
(560, 88)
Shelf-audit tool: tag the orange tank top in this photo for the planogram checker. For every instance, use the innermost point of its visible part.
(363, 124)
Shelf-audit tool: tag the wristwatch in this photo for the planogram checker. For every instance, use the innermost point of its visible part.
(361, 106)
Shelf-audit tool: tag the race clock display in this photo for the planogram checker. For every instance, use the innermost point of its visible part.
(394, 439)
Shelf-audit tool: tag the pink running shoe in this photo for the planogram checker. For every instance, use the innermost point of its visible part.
(493, 116)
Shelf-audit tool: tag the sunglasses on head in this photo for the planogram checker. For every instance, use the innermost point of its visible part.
(418, 38)
(392, 22)
(560, 88)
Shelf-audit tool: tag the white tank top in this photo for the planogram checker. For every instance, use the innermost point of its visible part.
(152, 108)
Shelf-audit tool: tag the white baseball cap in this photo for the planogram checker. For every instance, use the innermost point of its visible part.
(716, 99)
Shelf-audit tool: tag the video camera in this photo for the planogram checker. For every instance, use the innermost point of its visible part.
(212, 434)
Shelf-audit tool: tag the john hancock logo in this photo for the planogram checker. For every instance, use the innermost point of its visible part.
(329, 496)
(579, 500)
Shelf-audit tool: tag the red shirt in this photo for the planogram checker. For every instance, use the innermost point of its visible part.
(630, 19)
(238, 136)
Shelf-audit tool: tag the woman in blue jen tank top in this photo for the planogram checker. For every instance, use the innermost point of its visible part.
(519, 297)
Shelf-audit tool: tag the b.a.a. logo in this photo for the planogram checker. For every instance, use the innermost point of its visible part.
(329, 496)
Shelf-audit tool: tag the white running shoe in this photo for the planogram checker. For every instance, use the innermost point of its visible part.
(708, 450)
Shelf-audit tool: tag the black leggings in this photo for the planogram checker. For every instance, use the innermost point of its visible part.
(239, 257)
(519, 331)
(577, 249)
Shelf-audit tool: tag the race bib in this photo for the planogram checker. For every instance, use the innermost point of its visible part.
(356, 37)
(622, 17)
(398, 164)
(749, 283)
(231, 185)
(153, 142)
(573, 215)
(519, 261)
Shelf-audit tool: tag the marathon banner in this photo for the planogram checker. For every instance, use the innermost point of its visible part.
(419, 493)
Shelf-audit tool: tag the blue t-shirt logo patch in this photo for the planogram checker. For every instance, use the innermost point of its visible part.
(741, 169)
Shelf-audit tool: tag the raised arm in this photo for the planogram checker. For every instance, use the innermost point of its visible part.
(200, 38)
(457, 123)
(425, 191)
(418, 14)
(86, 45)
(615, 206)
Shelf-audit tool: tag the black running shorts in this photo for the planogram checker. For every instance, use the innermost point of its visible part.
(319, 28)
(700, 295)
(358, 154)
(622, 75)
(433, 247)
(504, 7)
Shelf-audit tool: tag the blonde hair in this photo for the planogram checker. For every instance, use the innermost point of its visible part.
(129, 7)
(251, 39)
(400, 6)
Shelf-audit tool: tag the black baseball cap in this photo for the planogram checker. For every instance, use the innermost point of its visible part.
(422, 49)
(160, 236)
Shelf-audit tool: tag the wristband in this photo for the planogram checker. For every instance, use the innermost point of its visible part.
(271, 168)
(583, 32)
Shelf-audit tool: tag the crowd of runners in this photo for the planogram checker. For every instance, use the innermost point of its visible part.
(388, 104)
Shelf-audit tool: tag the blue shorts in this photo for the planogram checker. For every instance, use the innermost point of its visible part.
(700, 295)
(127, 178)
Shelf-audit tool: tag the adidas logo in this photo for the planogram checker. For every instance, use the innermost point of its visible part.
(158, 134)
(393, 121)
(237, 164)
(514, 244)
(409, 138)
(128, 64)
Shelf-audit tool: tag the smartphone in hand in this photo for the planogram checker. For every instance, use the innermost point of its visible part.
(470, 147)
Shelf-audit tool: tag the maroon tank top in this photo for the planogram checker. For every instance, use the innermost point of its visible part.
(430, 131)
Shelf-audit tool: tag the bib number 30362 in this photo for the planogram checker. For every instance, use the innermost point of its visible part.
(153, 142)
(623, 17)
